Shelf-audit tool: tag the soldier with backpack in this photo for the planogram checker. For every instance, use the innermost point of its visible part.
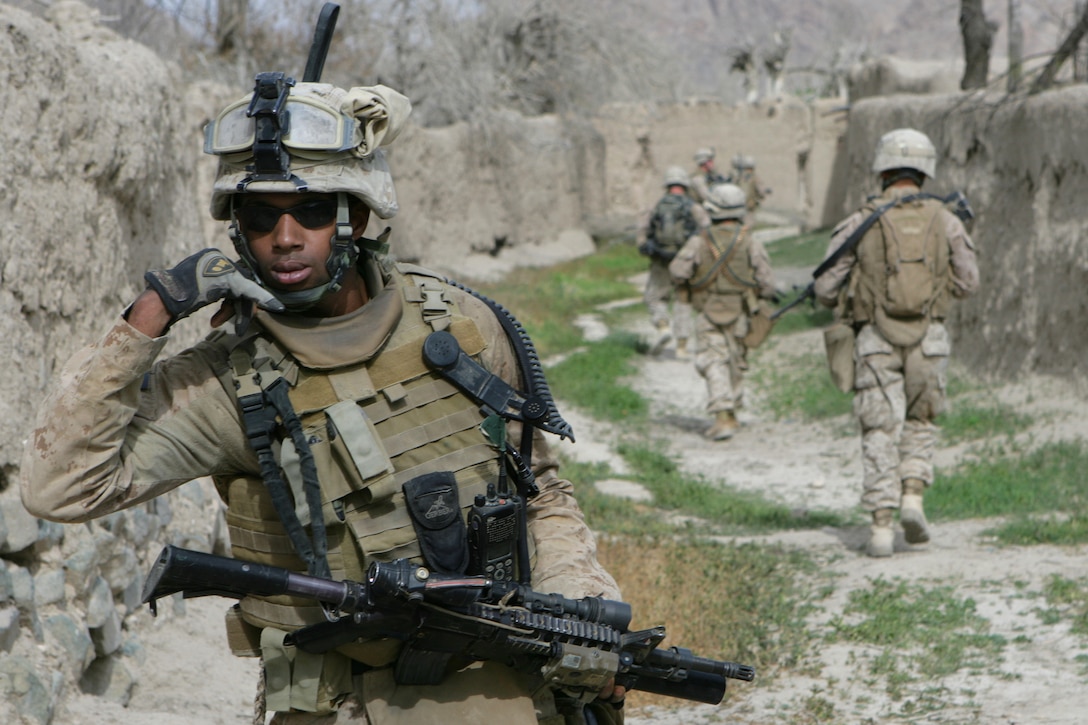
(891, 294)
(674, 219)
(726, 273)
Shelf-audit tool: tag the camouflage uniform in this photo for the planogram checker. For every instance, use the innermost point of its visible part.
(701, 181)
(120, 428)
(747, 180)
(703, 178)
(724, 304)
(660, 289)
(900, 367)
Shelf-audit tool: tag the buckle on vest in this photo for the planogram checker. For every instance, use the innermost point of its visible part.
(259, 419)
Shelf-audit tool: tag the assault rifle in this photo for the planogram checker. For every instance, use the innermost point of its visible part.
(575, 644)
(961, 208)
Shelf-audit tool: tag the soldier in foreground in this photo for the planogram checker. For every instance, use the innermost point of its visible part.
(332, 439)
(893, 292)
(674, 219)
(727, 273)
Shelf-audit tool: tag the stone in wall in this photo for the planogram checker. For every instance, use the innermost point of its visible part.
(102, 151)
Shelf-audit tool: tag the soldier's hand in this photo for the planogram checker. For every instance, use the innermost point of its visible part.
(203, 278)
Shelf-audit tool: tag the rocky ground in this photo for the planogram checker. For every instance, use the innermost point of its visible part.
(187, 676)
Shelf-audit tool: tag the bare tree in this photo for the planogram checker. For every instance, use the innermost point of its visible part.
(978, 39)
(1068, 46)
(774, 60)
(743, 61)
(1016, 45)
(1080, 56)
(230, 27)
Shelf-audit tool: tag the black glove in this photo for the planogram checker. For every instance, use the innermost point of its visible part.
(204, 278)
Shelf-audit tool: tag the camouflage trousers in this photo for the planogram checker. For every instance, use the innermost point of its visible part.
(480, 693)
(898, 391)
(659, 291)
(722, 360)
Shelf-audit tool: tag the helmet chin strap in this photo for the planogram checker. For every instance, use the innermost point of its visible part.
(342, 257)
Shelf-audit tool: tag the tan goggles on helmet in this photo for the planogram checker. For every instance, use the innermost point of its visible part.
(313, 126)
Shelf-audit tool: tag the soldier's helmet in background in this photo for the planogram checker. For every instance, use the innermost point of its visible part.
(905, 148)
(726, 201)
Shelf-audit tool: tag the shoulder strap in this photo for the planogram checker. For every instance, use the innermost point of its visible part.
(721, 259)
(963, 210)
(261, 375)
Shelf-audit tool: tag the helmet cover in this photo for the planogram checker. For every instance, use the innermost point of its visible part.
(905, 148)
(726, 201)
(676, 176)
(374, 116)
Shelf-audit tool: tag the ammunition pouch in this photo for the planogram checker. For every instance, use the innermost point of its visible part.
(759, 327)
(839, 345)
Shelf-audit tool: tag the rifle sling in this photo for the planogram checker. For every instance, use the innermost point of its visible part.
(857, 234)
(721, 261)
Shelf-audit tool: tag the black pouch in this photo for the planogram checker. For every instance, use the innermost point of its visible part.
(435, 508)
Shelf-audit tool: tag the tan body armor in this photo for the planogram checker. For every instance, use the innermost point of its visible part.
(371, 427)
(903, 277)
(724, 279)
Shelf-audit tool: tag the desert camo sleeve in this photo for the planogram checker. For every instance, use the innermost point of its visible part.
(118, 429)
(565, 557)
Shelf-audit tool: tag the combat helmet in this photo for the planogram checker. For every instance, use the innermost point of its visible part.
(703, 155)
(743, 161)
(726, 201)
(905, 148)
(676, 176)
(288, 137)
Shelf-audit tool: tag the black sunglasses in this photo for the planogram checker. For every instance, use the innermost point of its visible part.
(262, 218)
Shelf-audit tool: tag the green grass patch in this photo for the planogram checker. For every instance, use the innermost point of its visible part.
(612, 514)
(547, 300)
(975, 422)
(1050, 478)
(1070, 598)
(592, 379)
(801, 318)
(1056, 530)
(923, 633)
(803, 250)
(802, 388)
(717, 505)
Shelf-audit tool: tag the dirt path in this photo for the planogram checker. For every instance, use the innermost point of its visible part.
(817, 466)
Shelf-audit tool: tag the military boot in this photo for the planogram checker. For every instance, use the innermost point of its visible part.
(682, 349)
(661, 338)
(725, 425)
(881, 535)
(911, 515)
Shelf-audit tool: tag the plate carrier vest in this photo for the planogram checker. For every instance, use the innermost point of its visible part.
(370, 427)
